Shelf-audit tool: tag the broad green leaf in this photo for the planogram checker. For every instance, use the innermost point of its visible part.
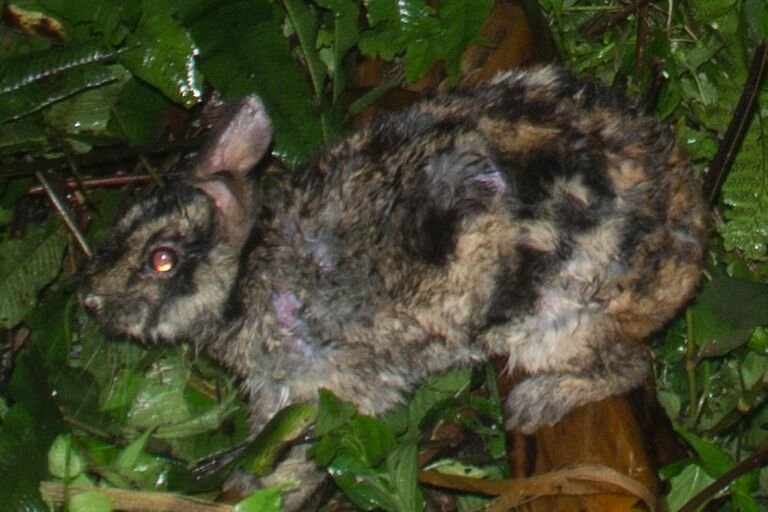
(419, 57)
(742, 492)
(745, 192)
(137, 467)
(432, 392)
(407, 26)
(256, 58)
(64, 461)
(345, 36)
(263, 500)
(332, 412)
(285, 427)
(714, 336)
(42, 93)
(758, 342)
(160, 401)
(129, 456)
(752, 298)
(138, 111)
(207, 421)
(379, 11)
(26, 266)
(21, 136)
(715, 461)
(163, 54)
(89, 111)
(684, 486)
(365, 487)
(462, 21)
(20, 71)
(368, 439)
(403, 471)
(29, 427)
(304, 23)
(118, 396)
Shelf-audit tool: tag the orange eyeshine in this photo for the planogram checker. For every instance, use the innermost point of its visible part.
(163, 260)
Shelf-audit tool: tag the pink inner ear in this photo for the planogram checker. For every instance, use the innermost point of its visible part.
(224, 199)
(239, 142)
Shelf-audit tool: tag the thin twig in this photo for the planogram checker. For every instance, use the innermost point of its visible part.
(107, 181)
(598, 25)
(63, 212)
(737, 129)
(757, 459)
(99, 157)
(642, 39)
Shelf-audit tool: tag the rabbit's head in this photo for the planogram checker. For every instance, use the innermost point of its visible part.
(170, 264)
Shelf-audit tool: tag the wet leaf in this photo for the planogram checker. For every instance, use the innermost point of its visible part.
(163, 54)
(26, 266)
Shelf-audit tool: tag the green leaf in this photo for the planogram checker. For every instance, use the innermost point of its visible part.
(304, 23)
(41, 93)
(345, 36)
(431, 393)
(285, 427)
(119, 395)
(754, 368)
(64, 461)
(129, 456)
(687, 484)
(138, 111)
(92, 501)
(403, 26)
(21, 136)
(742, 491)
(419, 57)
(135, 465)
(746, 193)
(254, 56)
(27, 265)
(28, 430)
(758, 342)
(208, 421)
(164, 54)
(751, 297)
(462, 21)
(714, 336)
(403, 471)
(368, 439)
(263, 500)
(365, 487)
(160, 400)
(332, 412)
(19, 71)
(715, 461)
(89, 111)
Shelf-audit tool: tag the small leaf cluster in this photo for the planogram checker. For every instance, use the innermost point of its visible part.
(374, 461)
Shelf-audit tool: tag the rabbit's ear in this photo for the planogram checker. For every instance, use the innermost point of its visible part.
(239, 140)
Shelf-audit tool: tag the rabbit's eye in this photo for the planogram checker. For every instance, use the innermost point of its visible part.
(162, 260)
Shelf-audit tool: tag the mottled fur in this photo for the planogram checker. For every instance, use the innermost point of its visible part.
(538, 217)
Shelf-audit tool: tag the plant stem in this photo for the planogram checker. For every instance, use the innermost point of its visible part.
(690, 368)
